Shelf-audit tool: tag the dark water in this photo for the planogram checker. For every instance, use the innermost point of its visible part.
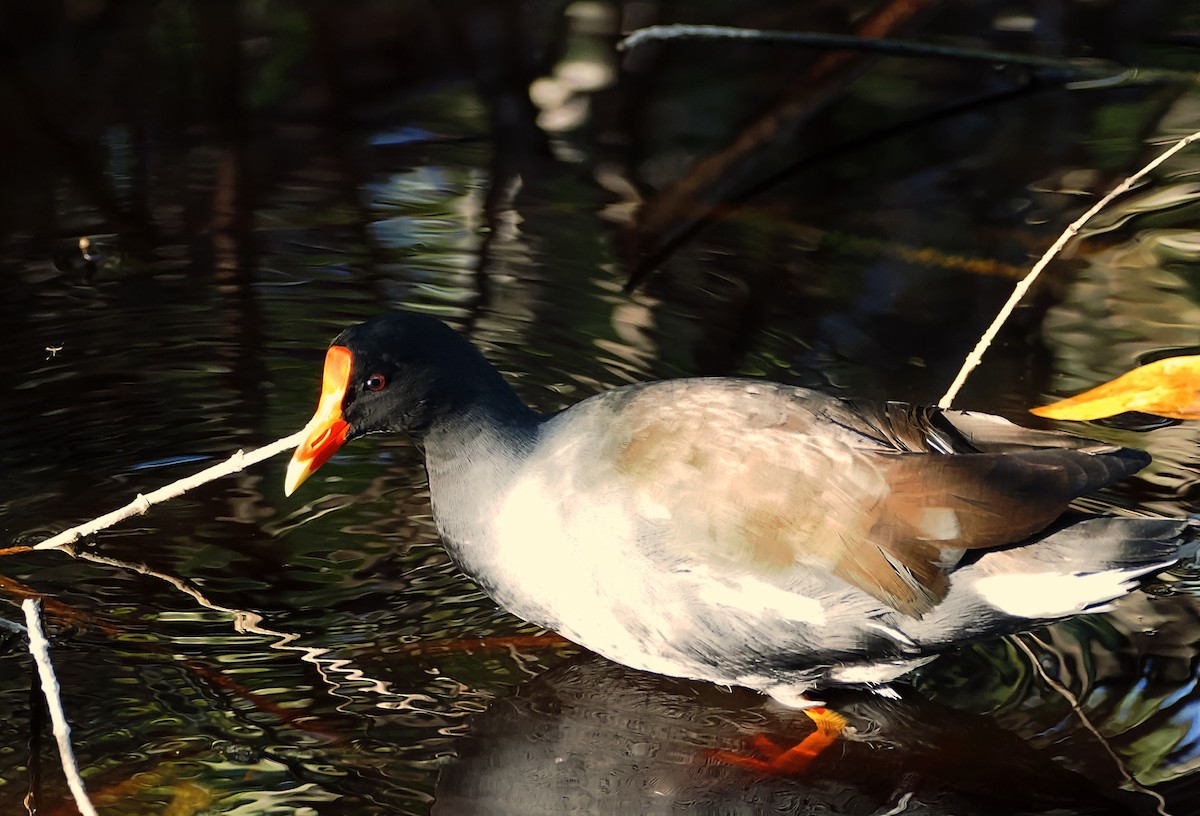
(253, 177)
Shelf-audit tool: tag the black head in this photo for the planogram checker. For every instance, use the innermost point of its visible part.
(403, 372)
(406, 371)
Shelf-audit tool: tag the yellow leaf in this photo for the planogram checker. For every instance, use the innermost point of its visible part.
(188, 799)
(1167, 388)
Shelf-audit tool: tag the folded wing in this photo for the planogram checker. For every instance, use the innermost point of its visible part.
(775, 480)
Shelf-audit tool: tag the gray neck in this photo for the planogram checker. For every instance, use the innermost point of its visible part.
(473, 451)
(492, 419)
(473, 460)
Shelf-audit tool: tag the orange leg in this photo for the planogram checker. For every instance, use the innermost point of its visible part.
(775, 759)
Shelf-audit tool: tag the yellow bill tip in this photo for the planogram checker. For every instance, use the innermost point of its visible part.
(297, 472)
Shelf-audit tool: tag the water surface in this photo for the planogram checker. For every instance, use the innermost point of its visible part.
(250, 178)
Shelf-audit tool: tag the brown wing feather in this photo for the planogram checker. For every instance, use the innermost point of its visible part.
(770, 480)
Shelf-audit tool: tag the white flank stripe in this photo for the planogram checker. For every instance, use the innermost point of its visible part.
(1053, 594)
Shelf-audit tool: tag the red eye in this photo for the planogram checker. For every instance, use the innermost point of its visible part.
(375, 382)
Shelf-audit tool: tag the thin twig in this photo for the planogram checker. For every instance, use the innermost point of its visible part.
(1019, 292)
(142, 503)
(1077, 707)
(1090, 69)
(251, 622)
(243, 620)
(39, 647)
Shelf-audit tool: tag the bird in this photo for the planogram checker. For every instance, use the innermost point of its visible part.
(739, 531)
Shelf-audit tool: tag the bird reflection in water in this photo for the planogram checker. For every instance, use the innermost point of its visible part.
(590, 736)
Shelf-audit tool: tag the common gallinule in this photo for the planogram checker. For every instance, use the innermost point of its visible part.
(740, 531)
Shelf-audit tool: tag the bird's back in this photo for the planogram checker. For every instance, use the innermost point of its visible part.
(768, 479)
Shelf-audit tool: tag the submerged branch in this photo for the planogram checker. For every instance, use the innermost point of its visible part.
(1022, 287)
(711, 177)
(248, 621)
(660, 253)
(142, 503)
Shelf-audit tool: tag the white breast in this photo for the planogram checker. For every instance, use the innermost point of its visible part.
(565, 540)
(577, 555)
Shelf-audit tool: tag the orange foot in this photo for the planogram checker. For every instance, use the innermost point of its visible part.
(777, 760)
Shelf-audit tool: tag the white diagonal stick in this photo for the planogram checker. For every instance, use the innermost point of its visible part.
(39, 647)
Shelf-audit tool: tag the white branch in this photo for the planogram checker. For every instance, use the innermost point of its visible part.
(39, 647)
(141, 504)
(988, 336)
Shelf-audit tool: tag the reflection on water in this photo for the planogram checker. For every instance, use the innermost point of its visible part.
(1132, 673)
(592, 737)
(249, 178)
